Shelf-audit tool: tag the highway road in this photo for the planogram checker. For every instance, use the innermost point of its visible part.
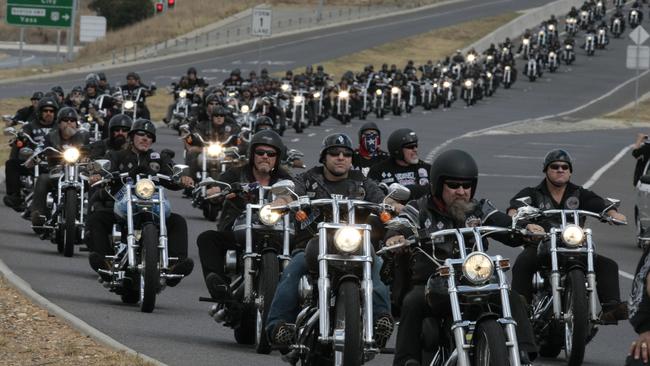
(180, 332)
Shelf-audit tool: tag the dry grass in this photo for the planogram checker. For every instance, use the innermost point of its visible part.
(630, 114)
(433, 45)
(9, 106)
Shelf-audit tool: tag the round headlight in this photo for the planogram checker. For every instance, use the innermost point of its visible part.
(71, 155)
(489, 75)
(245, 109)
(471, 57)
(507, 68)
(347, 240)
(129, 104)
(182, 94)
(284, 87)
(526, 41)
(568, 47)
(573, 235)
(214, 150)
(317, 95)
(344, 94)
(478, 268)
(297, 99)
(551, 54)
(145, 189)
(446, 84)
(468, 83)
(269, 217)
(394, 90)
(379, 92)
(435, 85)
(551, 27)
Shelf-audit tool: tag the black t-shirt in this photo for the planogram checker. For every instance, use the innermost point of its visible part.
(415, 177)
(359, 163)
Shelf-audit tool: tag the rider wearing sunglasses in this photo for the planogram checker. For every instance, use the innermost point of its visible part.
(265, 150)
(557, 192)
(404, 165)
(118, 127)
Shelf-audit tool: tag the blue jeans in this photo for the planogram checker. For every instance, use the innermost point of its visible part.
(286, 301)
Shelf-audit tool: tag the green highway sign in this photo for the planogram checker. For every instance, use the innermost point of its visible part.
(40, 13)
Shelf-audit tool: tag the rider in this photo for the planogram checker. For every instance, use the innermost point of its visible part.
(139, 157)
(369, 152)
(118, 127)
(29, 113)
(333, 177)
(404, 166)
(639, 306)
(14, 168)
(450, 203)
(263, 168)
(67, 134)
(641, 152)
(133, 83)
(557, 192)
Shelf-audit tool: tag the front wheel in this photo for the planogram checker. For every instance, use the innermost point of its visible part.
(267, 281)
(70, 215)
(210, 211)
(490, 344)
(149, 273)
(576, 317)
(348, 320)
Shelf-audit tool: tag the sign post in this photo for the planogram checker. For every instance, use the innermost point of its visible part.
(261, 27)
(638, 57)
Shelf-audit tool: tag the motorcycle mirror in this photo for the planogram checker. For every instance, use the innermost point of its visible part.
(100, 164)
(295, 153)
(525, 200)
(645, 179)
(398, 192)
(179, 168)
(168, 153)
(9, 131)
(384, 187)
(283, 187)
(25, 153)
(613, 201)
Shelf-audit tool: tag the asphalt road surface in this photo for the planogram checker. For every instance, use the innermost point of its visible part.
(179, 332)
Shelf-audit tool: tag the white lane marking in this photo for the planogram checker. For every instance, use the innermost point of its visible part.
(517, 157)
(556, 144)
(328, 129)
(594, 178)
(311, 134)
(624, 274)
(295, 139)
(510, 176)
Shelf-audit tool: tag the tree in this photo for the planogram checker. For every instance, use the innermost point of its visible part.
(120, 13)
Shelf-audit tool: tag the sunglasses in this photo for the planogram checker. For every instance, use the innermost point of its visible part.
(336, 152)
(410, 146)
(68, 120)
(456, 185)
(213, 103)
(269, 153)
(559, 166)
(48, 111)
(121, 129)
(144, 134)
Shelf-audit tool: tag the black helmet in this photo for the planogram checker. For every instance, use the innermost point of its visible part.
(48, 102)
(101, 76)
(37, 96)
(558, 155)
(92, 83)
(456, 164)
(399, 138)
(334, 140)
(191, 70)
(236, 72)
(67, 113)
(120, 120)
(212, 98)
(266, 137)
(368, 126)
(58, 90)
(145, 125)
(263, 121)
(133, 74)
(319, 68)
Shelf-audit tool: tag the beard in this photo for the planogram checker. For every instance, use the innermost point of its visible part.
(414, 161)
(68, 132)
(264, 168)
(459, 209)
(118, 141)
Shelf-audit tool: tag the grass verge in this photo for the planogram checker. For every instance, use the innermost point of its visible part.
(9, 106)
(631, 114)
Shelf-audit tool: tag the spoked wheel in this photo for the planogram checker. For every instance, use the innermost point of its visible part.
(576, 317)
(490, 344)
(149, 273)
(348, 321)
(70, 228)
(267, 282)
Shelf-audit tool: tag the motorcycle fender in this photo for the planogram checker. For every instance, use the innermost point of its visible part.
(344, 278)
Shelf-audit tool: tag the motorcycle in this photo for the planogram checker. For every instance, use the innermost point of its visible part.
(565, 300)
(335, 321)
(139, 269)
(26, 147)
(532, 69)
(541, 38)
(467, 92)
(568, 55)
(551, 61)
(315, 107)
(298, 109)
(447, 93)
(507, 77)
(601, 38)
(429, 95)
(600, 10)
(412, 96)
(255, 272)
(634, 18)
(91, 125)
(65, 220)
(585, 19)
(617, 27)
(396, 100)
(343, 108)
(590, 46)
(525, 48)
(182, 107)
(381, 92)
(570, 26)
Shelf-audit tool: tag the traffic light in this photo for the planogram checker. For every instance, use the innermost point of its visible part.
(159, 8)
(171, 3)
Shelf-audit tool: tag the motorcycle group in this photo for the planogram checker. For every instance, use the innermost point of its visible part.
(319, 263)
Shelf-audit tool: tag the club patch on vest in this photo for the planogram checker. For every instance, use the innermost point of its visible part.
(572, 203)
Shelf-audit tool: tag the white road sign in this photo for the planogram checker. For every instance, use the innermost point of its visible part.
(639, 35)
(91, 28)
(643, 59)
(261, 22)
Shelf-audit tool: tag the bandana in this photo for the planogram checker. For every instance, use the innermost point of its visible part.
(369, 145)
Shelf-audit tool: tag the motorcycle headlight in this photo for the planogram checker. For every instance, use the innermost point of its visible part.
(379, 92)
(602, 31)
(71, 155)
(232, 94)
(504, 50)
(468, 83)
(526, 41)
(214, 150)
(633, 12)
(573, 235)
(245, 109)
(394, 90)
(478, 268)
(284, 87)
(551, 54)
(435, 85)
(589, 38)
(446, 84)
(317, 95)
(471, 57)
(551, 27)
(584, 13)
(344, 94)
(269, 217)
(145, 189)
(347, 240)
(182, 94)
(507, 68)
(568, 47)
(489, 75)
(129, 104)
(297, 99)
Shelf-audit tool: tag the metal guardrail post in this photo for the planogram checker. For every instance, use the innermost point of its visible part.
(135, 53)
(196, 42)
(113, 57)
(124, 54)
